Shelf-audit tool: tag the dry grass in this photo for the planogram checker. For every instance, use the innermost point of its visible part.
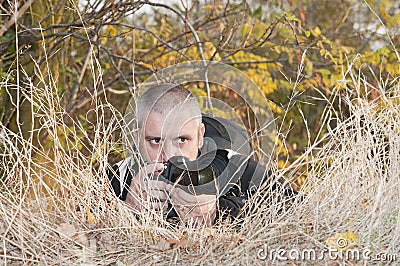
(56, 207)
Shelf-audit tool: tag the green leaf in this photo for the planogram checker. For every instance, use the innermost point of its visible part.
(258, 12)
(7, 37)
(290, 17)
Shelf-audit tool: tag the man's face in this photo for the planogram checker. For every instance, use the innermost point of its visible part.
(165, 136)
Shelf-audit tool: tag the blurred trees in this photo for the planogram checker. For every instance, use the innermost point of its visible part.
(295, 50)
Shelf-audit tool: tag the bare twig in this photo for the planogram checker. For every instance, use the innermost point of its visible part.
(15, 16)
(199, 46)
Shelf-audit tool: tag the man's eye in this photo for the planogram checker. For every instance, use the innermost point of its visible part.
(182, 140)
(155, 141)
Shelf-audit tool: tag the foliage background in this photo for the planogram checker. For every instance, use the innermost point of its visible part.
(68, 68)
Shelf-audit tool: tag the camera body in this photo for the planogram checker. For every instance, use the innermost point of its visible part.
(183, 177)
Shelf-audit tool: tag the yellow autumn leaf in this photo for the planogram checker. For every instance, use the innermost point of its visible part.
(343, 241)
(90, 217)
(145, 65)
(103, 41)
(111, 30)
(283, 164)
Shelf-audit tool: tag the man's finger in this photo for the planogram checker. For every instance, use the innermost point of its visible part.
(158, 194)
(148, 170)
(156, 168)
(158, 184)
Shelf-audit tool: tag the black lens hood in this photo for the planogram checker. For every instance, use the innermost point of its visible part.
(236, 164)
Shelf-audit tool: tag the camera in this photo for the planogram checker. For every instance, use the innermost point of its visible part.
(184, 172)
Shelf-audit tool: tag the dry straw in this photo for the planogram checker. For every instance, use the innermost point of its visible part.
(56, 206)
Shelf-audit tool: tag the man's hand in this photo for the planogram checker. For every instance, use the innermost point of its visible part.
(138, 197)
(145, 193)
(196, 209)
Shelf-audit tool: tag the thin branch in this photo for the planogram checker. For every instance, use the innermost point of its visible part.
(15, 17)
(153, 34)
(83, 71)
(199, 47)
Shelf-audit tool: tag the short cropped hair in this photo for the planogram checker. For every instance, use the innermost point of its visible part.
(163, 99)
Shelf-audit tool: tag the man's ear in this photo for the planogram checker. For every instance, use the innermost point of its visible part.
(202, 130)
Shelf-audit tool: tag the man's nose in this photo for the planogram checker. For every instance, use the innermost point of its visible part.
(168, 150)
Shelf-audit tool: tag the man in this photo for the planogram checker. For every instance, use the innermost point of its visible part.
(169, 123)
